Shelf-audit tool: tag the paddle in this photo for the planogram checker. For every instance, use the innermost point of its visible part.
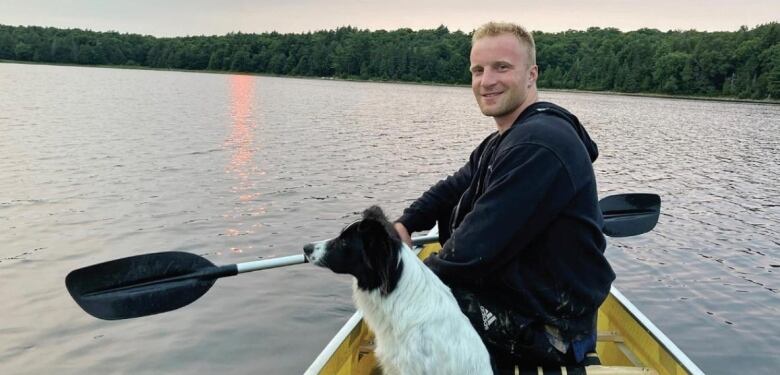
(154, 283)
(630, 214)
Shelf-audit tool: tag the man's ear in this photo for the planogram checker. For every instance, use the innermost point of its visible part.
(533, 75)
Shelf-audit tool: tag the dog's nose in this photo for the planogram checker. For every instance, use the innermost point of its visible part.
(308, 249)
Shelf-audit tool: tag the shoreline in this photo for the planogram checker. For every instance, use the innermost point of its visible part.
(613, 93)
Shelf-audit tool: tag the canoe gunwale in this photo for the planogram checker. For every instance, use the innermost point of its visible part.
(656, 332)
(335, 343)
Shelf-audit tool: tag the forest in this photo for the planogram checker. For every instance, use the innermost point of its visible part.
(741, 64)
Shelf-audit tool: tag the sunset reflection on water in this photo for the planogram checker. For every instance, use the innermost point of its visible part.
(243, 144)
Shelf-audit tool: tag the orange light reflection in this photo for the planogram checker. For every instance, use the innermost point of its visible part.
(242, 135)
(241, 141)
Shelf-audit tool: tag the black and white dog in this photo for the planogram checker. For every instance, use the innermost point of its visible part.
(418, 325)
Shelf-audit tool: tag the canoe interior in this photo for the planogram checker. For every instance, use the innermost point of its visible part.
(624, 345)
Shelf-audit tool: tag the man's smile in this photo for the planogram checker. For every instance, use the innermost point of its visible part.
(492, 94)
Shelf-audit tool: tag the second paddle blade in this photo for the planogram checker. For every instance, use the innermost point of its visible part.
(630, 214)
(139, 285)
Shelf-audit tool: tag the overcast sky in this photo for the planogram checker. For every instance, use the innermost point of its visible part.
(201, 17)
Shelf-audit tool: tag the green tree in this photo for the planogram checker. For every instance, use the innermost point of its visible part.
(23, 51)
(742, 64)
(241, 61)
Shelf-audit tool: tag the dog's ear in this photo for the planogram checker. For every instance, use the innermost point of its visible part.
(374, 213)
(377, 239)
(376, 225)
(381, 246)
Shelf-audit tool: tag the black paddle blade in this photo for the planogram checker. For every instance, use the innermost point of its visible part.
(630, 214)
(140, 285)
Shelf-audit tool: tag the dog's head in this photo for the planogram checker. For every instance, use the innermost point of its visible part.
(368, 249)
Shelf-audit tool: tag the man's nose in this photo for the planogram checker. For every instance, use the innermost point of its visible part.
(489, 78)
(308, 249)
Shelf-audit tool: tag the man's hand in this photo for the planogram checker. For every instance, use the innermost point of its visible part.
(403, 233)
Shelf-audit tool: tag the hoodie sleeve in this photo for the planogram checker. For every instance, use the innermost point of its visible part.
(437, 201)
(527, 189)
(442, 197)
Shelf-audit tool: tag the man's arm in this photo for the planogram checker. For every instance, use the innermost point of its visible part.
(522, 198)
(440, 199)
(406, 237)
(435, 202)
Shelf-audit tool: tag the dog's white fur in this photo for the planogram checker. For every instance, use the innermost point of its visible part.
(419, 327)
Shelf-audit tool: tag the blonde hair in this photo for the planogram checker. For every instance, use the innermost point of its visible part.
(497, 28)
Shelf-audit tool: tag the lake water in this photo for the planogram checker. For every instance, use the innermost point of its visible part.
(97, 164)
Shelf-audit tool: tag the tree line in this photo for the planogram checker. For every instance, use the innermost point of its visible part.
(742, 64)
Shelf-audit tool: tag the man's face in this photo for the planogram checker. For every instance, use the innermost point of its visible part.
(500, 74)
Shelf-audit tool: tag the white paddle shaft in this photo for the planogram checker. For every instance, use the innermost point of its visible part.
(270, 263)
(298, 259)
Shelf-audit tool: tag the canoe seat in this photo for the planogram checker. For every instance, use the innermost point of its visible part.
(585, 370)
(590, 366)
(591, 359)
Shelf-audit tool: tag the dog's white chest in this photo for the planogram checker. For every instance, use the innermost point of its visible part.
(419, 327)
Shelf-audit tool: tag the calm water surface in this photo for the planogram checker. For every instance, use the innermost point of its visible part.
(97, 164)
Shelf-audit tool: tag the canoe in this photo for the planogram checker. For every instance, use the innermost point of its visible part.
(628, 343)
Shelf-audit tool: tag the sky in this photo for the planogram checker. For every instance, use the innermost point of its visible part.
(201, 17)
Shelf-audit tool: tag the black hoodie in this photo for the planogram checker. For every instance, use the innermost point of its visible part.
(525, 222)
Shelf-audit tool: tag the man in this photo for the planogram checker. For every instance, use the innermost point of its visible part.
(524, 249)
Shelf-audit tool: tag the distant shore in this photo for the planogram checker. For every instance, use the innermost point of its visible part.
(355, 79)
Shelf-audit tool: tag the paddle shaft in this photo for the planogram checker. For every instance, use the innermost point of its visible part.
(268, 263)
(287, 261)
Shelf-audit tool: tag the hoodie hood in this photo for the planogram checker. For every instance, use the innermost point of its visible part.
(540, 107)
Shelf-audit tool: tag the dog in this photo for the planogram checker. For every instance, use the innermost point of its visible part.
(418, 325)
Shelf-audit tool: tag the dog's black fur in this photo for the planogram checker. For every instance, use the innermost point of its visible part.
(369, 250)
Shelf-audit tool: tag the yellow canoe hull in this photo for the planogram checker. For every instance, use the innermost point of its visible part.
(628, 343)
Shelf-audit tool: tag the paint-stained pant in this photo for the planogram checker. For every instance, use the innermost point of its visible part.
(509, 338)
